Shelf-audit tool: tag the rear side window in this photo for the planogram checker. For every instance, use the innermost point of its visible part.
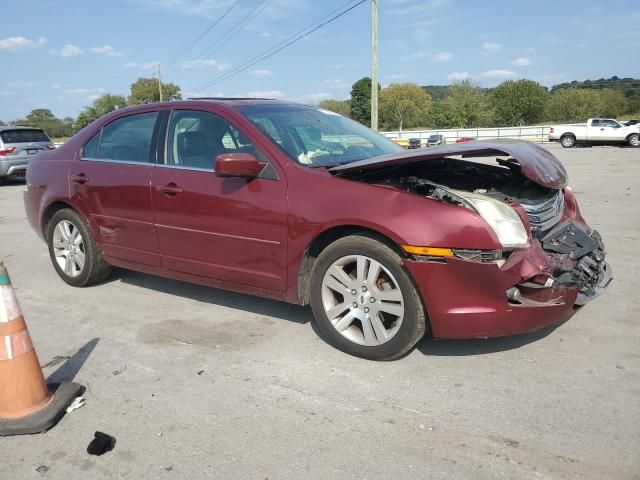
(90, 149)
(24, 136)
(595, 123)
(127, 139)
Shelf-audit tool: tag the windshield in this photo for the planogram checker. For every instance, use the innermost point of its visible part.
(434, 138)
(317, 137)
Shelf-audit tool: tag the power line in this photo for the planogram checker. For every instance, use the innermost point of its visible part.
(176, 56)
(282, 45)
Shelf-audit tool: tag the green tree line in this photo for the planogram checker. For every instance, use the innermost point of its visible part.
(466, 105)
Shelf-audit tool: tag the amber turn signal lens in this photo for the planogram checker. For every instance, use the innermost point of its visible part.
(428, 251)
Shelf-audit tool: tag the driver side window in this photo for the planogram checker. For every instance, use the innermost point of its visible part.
(195, 139)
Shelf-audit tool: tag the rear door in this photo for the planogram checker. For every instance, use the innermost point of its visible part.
(230, 229)
(110, 183)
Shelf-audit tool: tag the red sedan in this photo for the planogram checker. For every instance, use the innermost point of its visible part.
(303, 205)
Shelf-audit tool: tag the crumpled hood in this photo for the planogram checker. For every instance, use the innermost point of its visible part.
(536, 163)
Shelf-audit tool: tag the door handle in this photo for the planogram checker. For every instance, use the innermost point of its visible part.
(602, 129)
(170, 189)
(80, 178)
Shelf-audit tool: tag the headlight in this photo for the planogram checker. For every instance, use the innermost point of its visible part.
(503, 219)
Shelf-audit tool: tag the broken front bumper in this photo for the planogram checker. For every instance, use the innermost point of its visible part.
(536, 287)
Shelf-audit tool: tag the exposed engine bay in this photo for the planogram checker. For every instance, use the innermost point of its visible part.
(443, 178)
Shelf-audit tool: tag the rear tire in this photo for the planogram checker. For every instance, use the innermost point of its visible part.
(73, 251)
(634, 140)
(568, 141)
(384, 318)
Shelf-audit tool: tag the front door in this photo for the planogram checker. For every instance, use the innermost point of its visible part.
(230, 229)
(110, 184)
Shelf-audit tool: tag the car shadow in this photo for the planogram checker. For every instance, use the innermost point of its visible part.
(479, 346)
(215, 296)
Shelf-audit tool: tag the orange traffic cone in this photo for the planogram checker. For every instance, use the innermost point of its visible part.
(26, 403)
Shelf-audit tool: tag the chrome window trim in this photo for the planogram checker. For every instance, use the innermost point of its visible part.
(111, 160)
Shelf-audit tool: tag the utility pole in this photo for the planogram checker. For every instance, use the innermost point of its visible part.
(374, 65)
(159, 83)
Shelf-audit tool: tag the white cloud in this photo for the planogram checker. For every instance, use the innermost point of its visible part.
(458, 76)
(56, 85)
(335, 83)
(19, 84)
(489, 47)
(396, 76)
(68, 51)
(265, 94)
(442, 57)
(314, 98)
(203, 64)
(141, 65)
(14, 44)
(107, 50)
(498, 74)
(80, 92)
(261, 73)
(522, 62)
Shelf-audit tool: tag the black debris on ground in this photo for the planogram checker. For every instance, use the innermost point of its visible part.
(101, 444)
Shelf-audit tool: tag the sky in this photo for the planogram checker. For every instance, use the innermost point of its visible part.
(62, 54)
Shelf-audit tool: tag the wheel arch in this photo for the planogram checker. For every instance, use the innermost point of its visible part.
(326, 238)
(50, 210)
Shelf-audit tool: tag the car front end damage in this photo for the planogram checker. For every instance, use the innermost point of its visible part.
(550, 263)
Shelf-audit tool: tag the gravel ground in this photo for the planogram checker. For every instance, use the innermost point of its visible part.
(201, 383)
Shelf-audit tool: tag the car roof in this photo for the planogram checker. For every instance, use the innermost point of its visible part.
(17, 127)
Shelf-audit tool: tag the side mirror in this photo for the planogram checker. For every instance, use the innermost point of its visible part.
(238, 165)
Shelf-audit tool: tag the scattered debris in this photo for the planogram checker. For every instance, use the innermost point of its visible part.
(120, 370)
(101, 444)
(620, 367)
(169, 468)
(56, 360)
(200, 372)
(76, 404)
(42, 469)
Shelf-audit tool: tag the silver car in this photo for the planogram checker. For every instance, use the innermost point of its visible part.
(17, 146)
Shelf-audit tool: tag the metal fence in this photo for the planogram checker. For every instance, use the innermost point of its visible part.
(538, 134)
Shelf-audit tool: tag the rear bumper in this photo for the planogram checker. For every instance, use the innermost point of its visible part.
(14, 167)
(532, 290)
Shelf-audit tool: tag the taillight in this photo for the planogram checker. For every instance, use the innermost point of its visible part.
(551, 130)
(51, 147)
(7, 151)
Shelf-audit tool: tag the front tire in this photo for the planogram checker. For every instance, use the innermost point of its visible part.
(73, 251)
(634, 140)
(364, 301)
(568, 141)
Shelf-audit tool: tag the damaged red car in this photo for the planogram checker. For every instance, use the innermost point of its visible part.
(296, 203)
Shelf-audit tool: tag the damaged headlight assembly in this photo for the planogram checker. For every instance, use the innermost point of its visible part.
(502, 219)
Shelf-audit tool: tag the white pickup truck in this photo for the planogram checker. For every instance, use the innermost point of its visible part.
(597, 131)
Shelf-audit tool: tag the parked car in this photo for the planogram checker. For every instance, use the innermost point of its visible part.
(383, 243)
(18, 145)
(414, 143)
(465, 139)
(597, 131)
(434, 140)
(630, 123)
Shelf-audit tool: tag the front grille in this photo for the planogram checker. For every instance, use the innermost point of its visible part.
(546, 214)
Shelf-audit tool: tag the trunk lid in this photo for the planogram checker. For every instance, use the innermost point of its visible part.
(536, 163)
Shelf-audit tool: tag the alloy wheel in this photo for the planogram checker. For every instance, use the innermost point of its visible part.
(68, 248)
(362, 300)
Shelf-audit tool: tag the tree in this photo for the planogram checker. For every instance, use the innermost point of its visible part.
(361, 101)
(343, 107)
(519, 102)
(101, 106)
(574, 105)
(43, 118)
(404, 105)
(145, 90)
(467, 105)
(615, 103)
